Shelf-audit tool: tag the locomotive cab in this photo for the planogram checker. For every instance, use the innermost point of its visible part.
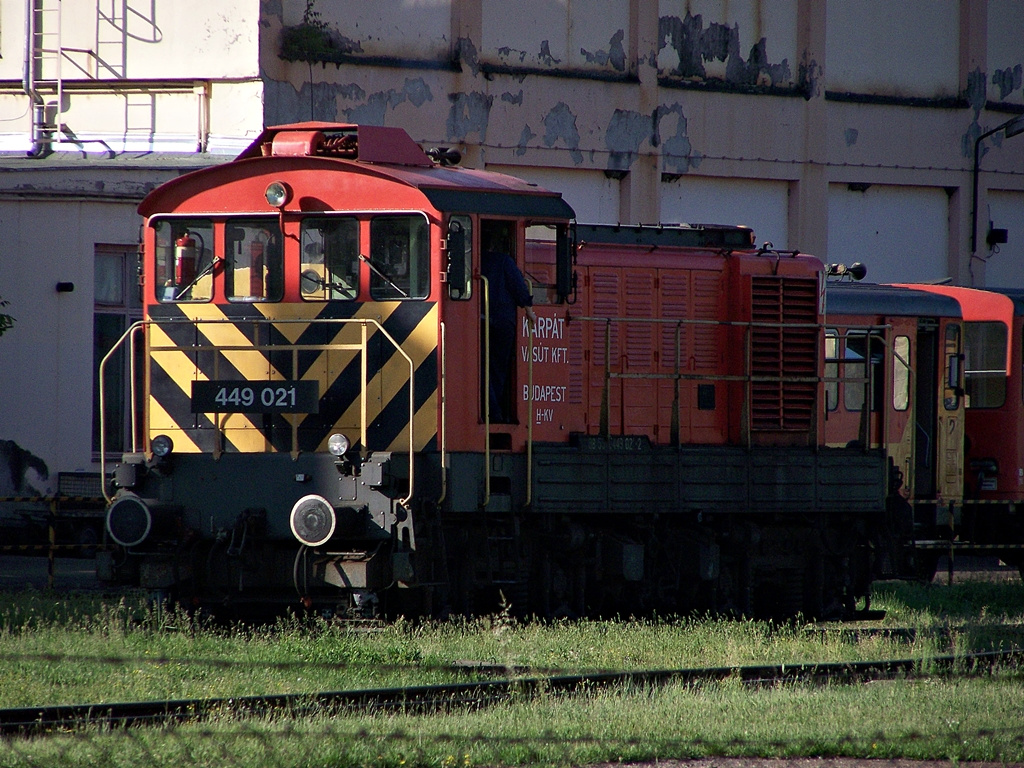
(301, 304)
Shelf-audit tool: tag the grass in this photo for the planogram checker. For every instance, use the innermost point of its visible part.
(76, 651)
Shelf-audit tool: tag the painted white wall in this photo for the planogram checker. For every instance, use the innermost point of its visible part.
(1005, 51)
(593, 196)
(894, 49)
(46, 359)
(900, 233)
(137, 39)
(1004, 268)
(756, 203)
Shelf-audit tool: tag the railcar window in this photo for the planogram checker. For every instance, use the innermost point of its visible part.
(984, 365)
(901, 373)
(254, 268)
(330, 258)
(857, 376)
(831, 369)
(399, 258)
(952, 390)
(184, 259)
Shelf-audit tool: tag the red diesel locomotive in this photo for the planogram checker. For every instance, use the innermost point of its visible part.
(312, 428)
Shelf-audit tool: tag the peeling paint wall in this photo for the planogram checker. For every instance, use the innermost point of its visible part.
(743, 43)
(1006, 50)
(391, 28)
(553, 34)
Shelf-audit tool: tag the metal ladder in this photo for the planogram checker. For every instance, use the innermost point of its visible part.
(45, 75)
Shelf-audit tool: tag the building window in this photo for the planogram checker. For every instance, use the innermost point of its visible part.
(117, 306)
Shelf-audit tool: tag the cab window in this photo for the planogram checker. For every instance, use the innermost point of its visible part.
(329, 263)
(253, 268)
(399, 260)
(184, 259)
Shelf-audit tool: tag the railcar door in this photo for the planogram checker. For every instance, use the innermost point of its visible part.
(950, 423)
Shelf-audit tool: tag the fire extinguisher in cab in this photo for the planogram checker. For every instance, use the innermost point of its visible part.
(256, 249)
(184, 260)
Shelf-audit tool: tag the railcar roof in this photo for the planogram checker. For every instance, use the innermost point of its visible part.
(892, 300)
(982, 306)
(1016, 295)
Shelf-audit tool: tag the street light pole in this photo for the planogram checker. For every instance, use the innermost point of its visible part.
(1012, 127)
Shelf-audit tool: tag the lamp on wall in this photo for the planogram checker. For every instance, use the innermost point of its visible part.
(1010, 128)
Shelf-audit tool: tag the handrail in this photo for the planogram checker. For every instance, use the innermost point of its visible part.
(529, 413)
(487, 388)
(129, 332)
(444, 412)
(359, 347)
(677, 375)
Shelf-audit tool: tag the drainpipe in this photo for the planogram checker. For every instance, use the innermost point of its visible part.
(37, 107)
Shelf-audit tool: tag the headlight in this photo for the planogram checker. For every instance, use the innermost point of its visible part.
(338, 444)
(161, 445)
(278, 194)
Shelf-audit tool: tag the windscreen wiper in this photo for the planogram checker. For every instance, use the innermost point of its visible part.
(381, 275)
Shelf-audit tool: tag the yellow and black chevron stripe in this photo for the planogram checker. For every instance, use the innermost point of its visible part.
(322, 343)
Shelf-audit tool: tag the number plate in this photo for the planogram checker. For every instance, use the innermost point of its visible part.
(255, 397)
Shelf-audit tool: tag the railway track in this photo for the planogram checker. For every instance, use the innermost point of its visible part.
(26, 721)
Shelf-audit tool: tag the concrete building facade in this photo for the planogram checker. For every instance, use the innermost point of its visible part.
(844, 128)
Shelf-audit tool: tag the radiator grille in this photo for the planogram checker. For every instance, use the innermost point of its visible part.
(784, 353)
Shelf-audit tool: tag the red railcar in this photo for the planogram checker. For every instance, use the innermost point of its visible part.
(993, 392)
(312, 427)
(893, 368)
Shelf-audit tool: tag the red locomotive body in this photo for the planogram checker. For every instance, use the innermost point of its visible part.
(313, 425)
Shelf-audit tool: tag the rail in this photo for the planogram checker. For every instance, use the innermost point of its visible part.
(220, 353)
(62, 719)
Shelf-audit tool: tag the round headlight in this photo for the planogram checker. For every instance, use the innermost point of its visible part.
(338, 444)
(278, 194)
(161, 445)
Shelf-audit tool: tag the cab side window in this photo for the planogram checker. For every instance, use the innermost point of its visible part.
(399, 260)
(184, 259)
